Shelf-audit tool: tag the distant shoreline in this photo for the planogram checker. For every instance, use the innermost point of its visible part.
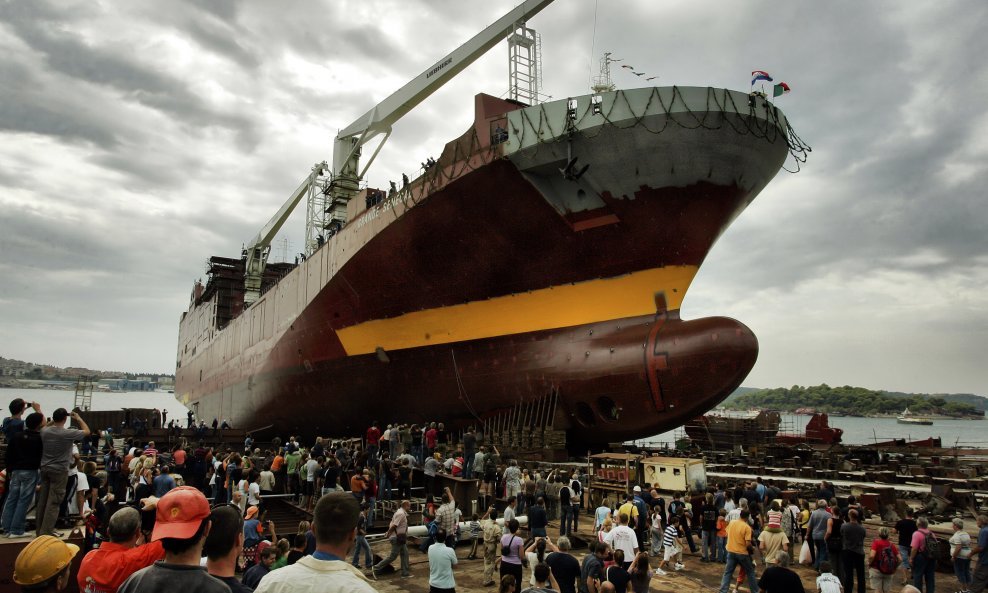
(833, 415)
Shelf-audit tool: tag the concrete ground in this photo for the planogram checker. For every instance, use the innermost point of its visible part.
(697, 577)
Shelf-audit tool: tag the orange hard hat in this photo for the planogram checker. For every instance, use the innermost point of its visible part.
(42, 559)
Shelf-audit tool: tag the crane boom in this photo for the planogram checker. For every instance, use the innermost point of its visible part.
(346, 150)
(256, 253)
(380, 118)
(346, 174)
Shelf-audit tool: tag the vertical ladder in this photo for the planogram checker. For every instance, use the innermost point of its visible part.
(83, 393)
(523, 65)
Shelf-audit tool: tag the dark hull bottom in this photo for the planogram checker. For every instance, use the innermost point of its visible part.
(616, 380)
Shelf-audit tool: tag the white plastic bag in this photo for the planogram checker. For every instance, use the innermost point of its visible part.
(805, 558)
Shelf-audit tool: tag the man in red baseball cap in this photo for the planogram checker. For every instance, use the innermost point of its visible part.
(104, 569)
(181, 525)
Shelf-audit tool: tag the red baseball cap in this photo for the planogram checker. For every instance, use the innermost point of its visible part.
(180, 512)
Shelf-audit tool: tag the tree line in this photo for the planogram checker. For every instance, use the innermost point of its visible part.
(856, 401)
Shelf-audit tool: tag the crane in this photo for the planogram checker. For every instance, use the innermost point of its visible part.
(346, 172)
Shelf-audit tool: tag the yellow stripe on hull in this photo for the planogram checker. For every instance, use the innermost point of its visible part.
(592, 301)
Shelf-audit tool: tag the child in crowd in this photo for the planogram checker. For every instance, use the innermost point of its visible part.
(722, 536)
(827, 582)
(475, 536)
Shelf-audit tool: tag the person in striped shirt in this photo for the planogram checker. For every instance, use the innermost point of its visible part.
(672, 546)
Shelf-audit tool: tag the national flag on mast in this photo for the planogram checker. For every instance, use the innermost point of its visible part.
(780, 89)
(757, 75)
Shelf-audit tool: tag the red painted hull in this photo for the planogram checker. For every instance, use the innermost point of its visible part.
(494, 231)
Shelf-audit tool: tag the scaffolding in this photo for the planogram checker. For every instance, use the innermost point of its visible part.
(324, 215)
(83, 393)
(524, 64)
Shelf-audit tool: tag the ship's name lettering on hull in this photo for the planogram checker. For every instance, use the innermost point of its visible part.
(375, 212)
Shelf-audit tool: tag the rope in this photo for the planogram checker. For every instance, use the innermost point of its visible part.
(720, 111)
(463, 391)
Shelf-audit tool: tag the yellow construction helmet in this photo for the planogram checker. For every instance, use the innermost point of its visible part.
(42, 559)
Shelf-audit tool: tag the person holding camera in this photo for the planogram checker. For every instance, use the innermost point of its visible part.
(56, 457)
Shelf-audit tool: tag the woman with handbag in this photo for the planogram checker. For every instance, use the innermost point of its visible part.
(512, 558)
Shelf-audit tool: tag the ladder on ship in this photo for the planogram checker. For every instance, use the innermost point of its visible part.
(83, 393)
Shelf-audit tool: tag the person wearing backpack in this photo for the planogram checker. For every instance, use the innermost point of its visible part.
(883, 561)
(924, 555)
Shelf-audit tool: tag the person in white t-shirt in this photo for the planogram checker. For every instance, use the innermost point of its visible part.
(602, 512)
(253, 493)
(960, 553)
(623, 538)
(827, 582)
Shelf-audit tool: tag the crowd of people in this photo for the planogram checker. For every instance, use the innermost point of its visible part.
(195, 516)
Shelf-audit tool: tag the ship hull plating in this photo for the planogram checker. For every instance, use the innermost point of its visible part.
(620, 379)
(506, 272)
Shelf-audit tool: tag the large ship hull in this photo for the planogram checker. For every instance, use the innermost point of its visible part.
(503, 274)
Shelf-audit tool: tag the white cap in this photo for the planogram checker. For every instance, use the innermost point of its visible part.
(638, 488)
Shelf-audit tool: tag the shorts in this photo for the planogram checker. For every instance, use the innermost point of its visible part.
(670, 552)
(308, 488)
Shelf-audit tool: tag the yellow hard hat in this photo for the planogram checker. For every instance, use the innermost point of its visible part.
(42, 559)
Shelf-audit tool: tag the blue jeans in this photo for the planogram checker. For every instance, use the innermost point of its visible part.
(924, 570)
(371, 504)
(722, 549)
(361, 544)
(904, 552)
(564, 518)
(20, 484)
(822, 553)
(962, 568)
(417, 453)
(384, 486)
(733, 560)
(468, 464)
(709, 545)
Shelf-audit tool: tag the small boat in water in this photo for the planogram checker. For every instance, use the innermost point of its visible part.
(909, 418)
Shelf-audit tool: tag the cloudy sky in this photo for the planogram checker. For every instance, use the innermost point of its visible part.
(138, 138)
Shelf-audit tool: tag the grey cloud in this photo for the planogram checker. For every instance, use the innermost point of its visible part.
(224, 10)
(67, 54)
(25, 106)
(223, 41)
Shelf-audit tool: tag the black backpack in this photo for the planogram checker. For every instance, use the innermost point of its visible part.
(931, 546)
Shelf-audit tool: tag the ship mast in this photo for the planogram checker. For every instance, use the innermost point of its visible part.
(335, 192)
(602, 83)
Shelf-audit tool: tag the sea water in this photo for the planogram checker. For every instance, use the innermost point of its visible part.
(857, 431)
(52, 399)
(864, 431)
